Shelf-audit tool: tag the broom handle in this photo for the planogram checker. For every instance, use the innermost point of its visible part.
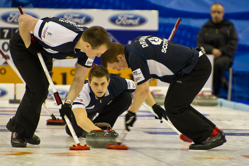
(69, 124)
(174, 29)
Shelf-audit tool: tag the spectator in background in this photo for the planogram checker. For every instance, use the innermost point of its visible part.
(218, 36)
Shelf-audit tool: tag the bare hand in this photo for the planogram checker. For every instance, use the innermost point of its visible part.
(216, 52)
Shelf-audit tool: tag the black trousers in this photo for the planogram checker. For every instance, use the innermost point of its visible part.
(27, 115)
(108, 114)
(221, 64)
(179, 97)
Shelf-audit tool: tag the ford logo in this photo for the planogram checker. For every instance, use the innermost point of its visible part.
(2, 92)
(12, 16)
(78, 18)
(62, 93)
(127, 20)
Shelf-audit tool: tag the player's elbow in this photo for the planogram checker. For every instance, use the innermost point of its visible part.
(22, 20)
(142, 89)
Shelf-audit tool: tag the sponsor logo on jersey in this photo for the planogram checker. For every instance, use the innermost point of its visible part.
(2, 92)
(12, 16)
(62, 93)
(44, 32)
(138, 75)
(89, 61)
(79, 100)
(127, 19)
(78, 18)
(131, 84)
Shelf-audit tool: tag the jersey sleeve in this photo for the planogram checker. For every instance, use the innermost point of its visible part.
(85, 61)
(139, 67)
(119, 85)
(131, 86)
(83, 99)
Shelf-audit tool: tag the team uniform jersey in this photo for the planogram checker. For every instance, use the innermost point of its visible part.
(150, 56)
(87, 99)
(58, 38)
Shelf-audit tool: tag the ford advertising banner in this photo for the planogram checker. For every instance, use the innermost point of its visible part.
(122, 25)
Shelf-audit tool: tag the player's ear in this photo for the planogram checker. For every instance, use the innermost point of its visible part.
(88, 45)
(119, 57)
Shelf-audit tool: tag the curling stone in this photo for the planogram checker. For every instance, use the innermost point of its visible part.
(101, 138)
(158, 96)
(205, 100)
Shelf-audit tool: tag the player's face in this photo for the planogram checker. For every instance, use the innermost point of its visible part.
(95, 52)
(217, 13)
(121, 65)
(99, 85)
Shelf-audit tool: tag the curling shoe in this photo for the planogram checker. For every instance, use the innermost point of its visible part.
(17, 140)
(35, 140)
(210, 142)
(223, 136)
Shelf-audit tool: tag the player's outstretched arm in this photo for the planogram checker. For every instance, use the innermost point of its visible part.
(83, 121)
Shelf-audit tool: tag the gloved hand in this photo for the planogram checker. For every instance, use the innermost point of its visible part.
(130, 119)
(66, 109)
(159, 111)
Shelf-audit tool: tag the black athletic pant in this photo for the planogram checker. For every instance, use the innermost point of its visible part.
(108, 114)
(28, 113)
(221, 64)
(179, 97)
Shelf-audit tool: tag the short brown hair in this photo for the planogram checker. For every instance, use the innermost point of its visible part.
(217, 3)
(96, 36)
(110, 56)
(98, 71)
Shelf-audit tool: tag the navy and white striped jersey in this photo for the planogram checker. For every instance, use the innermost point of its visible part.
(150, 56)
(87, 99)
(58, 38)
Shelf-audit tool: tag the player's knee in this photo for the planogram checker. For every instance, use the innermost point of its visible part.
(127, 98)
(39, 94)
(174, 109)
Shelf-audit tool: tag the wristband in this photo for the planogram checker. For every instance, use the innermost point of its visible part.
(68, 100)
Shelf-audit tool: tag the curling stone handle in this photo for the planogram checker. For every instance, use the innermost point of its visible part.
(103, 125)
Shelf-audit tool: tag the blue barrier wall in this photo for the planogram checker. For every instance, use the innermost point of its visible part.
(193, 13)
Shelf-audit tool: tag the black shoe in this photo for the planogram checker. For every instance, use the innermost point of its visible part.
(17, 140)
(223, 136)
(10, 125)
(210, 142)
(35, 140)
